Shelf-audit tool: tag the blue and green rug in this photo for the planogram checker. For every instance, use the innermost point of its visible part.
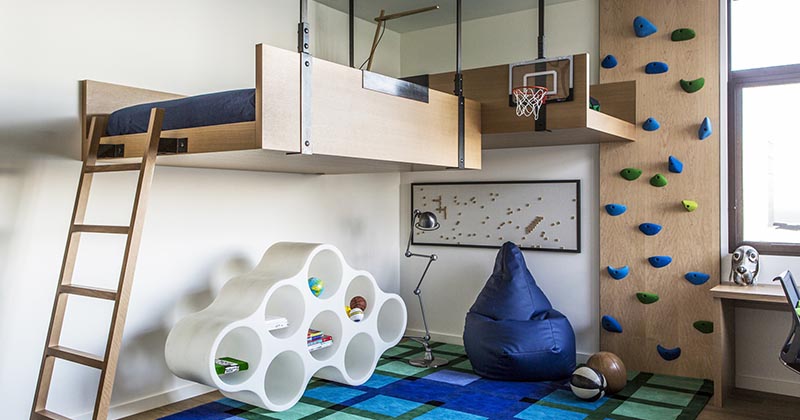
(398, 390)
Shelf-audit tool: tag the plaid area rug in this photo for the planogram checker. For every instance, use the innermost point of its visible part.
(399, 390)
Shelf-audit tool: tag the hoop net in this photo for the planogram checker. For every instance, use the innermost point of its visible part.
(529, 99)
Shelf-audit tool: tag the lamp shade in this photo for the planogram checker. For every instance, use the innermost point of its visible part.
(427, 221)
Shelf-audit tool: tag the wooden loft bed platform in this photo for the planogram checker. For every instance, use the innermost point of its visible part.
(570, 122)
(354, 129)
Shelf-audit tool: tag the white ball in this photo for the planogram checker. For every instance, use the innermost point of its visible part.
(588, 384)
(356, 314)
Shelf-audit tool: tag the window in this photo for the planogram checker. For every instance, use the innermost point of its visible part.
(764, 125)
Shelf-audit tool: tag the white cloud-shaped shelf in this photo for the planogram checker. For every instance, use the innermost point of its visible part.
(280, 365)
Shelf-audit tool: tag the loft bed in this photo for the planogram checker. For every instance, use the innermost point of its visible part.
(569, 122)
(356, 120)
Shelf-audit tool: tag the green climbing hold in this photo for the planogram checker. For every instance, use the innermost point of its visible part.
(705, 327)
(689, 205)
(683, 34)
(646, 298)
(658, 180)
(630, 173)
(692, 86)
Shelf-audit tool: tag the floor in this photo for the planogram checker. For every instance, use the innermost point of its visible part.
(743, 404)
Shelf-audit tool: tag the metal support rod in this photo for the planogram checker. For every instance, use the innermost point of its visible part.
(459, 88)
(304, 48)
(351, 17)
(541, 29)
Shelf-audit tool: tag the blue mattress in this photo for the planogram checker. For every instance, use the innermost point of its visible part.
(195, 111)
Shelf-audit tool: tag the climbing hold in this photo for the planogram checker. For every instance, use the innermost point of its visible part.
(659, 261)
(610, 324)
(705, 129)
(658, 180)
(675, 165)
(594, 104)
(656, 67)
(618, 273)
(609, 62)
(651, 124)
(646, 298)
(650, 229)
(668, 354)
(642, 27)
(705, 327)
(692, 86)
(615, 209)
(630, 173)
(683, 34)
(696, 278)
(689, 205)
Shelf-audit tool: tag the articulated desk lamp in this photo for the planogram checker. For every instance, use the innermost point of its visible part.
(423, 221)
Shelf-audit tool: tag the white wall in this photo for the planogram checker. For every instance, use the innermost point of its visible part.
(203, 226)
(569, 280)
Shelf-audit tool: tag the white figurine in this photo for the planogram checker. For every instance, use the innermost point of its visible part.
(744, 266)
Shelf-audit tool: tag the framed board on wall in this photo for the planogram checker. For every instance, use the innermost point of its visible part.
(535, 215)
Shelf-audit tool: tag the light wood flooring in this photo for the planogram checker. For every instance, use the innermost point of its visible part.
(741, 405)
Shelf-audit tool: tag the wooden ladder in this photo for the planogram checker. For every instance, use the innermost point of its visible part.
(107, 364)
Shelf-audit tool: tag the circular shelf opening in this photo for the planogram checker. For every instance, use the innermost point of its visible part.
(287, 302)
(327, 267)
(240, 343)
(285, 379)
(361, 286)
(330, 324)
(359, 357)
(391, 320)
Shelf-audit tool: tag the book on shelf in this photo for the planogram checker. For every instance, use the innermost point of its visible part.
(320, 344)
(313, 334)
(226, 365)
(276, 322)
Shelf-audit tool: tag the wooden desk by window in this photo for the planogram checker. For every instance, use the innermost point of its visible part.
(727, 296)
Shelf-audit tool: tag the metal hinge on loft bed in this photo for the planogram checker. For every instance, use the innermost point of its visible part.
(303, 47)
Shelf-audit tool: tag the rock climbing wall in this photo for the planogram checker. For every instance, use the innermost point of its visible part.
(659, 251)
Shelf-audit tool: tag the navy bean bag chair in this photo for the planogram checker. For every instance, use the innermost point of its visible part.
(512, 332)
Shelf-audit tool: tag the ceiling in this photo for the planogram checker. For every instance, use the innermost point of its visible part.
(471, 9)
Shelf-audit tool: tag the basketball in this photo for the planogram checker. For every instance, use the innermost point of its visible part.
(588, 384)
(612, 368)
(358, 302)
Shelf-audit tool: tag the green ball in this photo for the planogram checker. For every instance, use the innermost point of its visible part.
(316, 285)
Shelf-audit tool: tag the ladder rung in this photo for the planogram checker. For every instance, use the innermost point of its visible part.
(93, 292)
(121, 230)
(76, 356)
(49, 415)
(114, 168)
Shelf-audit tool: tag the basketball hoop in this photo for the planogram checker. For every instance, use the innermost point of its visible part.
(529, 99)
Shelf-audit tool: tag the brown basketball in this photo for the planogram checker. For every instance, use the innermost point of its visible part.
(358, 302)
(611, 366)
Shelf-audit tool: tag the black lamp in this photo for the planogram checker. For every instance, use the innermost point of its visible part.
(423, 221)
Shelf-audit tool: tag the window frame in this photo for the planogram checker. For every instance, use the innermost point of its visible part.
(737, 81)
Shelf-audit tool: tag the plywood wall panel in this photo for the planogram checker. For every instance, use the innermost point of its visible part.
(692, 239)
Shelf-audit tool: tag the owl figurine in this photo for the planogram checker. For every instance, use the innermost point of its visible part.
(744, 266)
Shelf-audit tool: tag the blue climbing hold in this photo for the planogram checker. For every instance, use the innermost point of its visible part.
(705, 129)
(609, 62)
(656, 67)
(610, 324)
(675, 165)
(668, 354)
(618, 273)
(642, 27)
(650, 229)
(651, 124)
(660, 261)
(615, 209)
(696, 278)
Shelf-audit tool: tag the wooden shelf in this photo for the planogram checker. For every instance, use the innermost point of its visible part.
(769, 293)
(567, 122)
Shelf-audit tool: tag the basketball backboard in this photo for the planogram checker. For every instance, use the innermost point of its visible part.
(556, 74)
